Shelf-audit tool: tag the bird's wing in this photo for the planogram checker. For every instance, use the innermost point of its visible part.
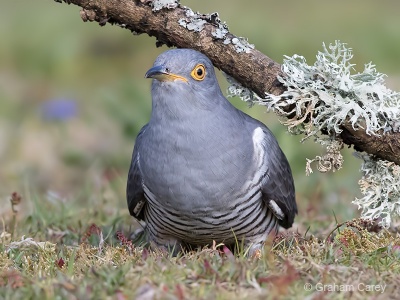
(277, 186)
(134, 188)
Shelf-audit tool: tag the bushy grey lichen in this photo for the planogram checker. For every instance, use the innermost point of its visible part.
(331, 161)
(380, 187)
(160, 4)
(326, 96)
(236, 89)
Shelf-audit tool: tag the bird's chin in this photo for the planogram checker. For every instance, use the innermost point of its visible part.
(170, 78)
(170, 85)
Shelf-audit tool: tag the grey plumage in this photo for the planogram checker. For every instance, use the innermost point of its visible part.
(201, 169)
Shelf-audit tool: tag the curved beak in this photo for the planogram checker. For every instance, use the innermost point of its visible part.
(160, 73)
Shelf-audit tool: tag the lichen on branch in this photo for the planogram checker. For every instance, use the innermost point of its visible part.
(326, 95)
(324, 98)
(380, 187)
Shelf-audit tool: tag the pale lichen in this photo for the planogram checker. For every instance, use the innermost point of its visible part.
(331, 161)
(236, 89)
(194, 25)
(195, 21)
(160, 4)
(380, 187)
(324, 97)
(242, 45)
(327, 94)
(220, 32)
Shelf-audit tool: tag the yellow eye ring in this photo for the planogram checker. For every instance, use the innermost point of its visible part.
(199, 72)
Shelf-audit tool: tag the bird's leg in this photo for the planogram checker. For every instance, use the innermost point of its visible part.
(167, 244)
(255, 247)
(255, 250)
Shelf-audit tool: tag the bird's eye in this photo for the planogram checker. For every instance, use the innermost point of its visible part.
(199, 72)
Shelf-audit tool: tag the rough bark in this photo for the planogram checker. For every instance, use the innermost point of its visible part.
(253, 70)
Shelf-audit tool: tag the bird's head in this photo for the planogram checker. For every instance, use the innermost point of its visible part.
(184, 70)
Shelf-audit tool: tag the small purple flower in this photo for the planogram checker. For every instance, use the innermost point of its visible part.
(59, 109)
(396, 249)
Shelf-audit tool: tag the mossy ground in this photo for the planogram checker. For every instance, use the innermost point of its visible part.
(82, 256)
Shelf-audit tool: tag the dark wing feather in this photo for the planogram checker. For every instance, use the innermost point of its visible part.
(134, 188)
(278, 185)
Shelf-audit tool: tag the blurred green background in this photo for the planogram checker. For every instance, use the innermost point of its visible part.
(48, 54)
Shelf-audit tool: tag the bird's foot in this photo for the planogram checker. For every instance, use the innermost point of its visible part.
(171, 246)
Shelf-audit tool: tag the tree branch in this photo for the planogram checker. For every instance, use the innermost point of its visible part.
(252, 69)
